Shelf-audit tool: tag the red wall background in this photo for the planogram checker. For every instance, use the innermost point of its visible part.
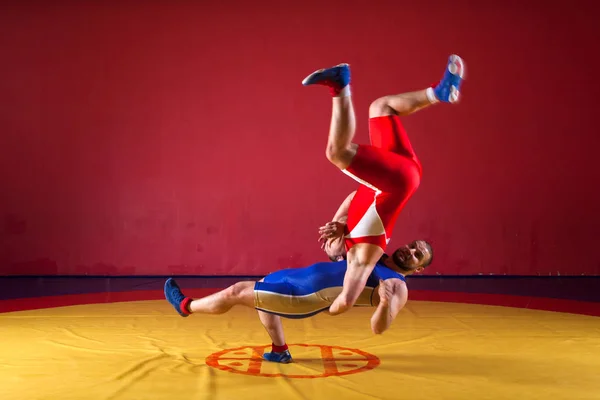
(174, 137)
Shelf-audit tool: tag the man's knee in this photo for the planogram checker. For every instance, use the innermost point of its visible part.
(239, 292)
(333, 155)
(341, 304)
(346, 302)
(380, 108)
(340, 157)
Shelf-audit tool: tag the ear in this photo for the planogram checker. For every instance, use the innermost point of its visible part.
(419, 269)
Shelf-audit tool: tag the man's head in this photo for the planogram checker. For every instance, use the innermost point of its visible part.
(411, 258)
(335, 249)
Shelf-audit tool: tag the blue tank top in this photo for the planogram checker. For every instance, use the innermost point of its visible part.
(324, 275)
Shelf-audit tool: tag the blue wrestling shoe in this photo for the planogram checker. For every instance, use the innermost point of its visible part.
(176, 298)
(448, 90)
(283, 358)
(336, 78)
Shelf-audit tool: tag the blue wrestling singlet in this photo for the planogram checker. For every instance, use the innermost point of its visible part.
(304, 292)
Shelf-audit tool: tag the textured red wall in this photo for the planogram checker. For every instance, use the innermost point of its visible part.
(174, 137)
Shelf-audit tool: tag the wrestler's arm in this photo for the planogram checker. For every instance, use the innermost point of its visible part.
(342, 212)
(335, 228)
(361, 261)
(391, 297)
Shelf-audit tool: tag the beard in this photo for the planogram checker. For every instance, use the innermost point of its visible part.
(401, 264)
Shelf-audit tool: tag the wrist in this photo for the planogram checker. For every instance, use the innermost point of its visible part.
(384, 303)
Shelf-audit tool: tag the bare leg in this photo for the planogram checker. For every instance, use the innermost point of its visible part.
(241, 293)
(274, 327)
(400, 104)
(279, 349)
(340, 149)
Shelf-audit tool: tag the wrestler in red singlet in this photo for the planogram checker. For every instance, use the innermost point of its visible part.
(389, 173)
(387, 169)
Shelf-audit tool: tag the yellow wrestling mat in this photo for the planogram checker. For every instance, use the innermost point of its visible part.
(144, 350)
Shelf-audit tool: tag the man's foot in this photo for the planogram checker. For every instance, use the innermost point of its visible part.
(283, 357)
(176, 298)
(336, 78)
(448, 90)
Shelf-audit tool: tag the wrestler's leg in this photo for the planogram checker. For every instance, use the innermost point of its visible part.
(340, 150)
(386, 131)
(447, 90)
(400, 104)
(241, 293)
(274, 327)
(279, 349)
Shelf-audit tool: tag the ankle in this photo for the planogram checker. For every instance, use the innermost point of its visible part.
(185, 305)
(278, 349)
(429, 92)
(343, 92)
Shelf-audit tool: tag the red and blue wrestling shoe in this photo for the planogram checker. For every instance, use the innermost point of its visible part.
(177, 299)
(336, 78)
(448, 90)
(284, 357)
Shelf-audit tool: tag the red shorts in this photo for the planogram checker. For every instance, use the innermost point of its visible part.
(389, 173)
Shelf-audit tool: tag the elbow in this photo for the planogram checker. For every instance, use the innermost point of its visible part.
(341, 305)
(346, 301)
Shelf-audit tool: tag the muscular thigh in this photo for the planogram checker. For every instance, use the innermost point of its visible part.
(243, 292)
(388, 133)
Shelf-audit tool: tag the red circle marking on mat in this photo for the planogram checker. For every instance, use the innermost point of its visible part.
(330, 362)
